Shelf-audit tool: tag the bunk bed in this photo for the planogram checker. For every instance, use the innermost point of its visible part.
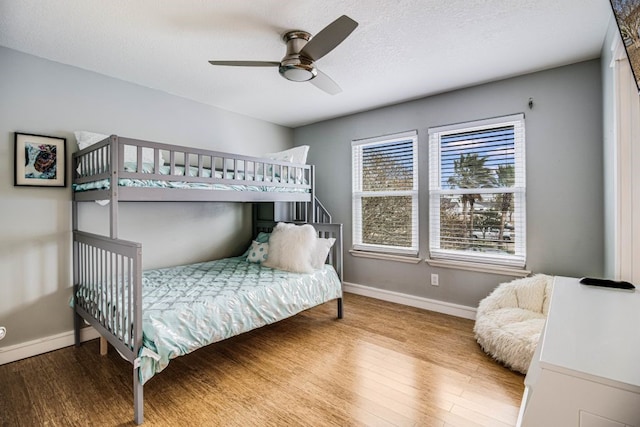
(139, 312)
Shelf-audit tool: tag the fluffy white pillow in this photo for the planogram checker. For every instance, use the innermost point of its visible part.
(320, 251)
(258, 252)
(290, 247)
(86, 139)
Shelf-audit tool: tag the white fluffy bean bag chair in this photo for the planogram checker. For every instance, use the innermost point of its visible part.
(509, 321)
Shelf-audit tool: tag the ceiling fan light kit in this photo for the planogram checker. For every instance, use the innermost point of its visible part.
(295, 67)
(298, 64)
(298, 72)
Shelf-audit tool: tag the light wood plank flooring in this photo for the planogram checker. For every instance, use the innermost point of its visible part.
(382, 365)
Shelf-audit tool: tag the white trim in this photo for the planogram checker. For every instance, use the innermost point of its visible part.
(463, 126)
(471, 258)
(393, 137)
(412, 300)
(476, 266)
(384, 256)
(617, 49)
(626, 183)
(44, 345)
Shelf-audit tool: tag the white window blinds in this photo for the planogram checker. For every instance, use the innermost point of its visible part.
(385, 194)
(477, 191)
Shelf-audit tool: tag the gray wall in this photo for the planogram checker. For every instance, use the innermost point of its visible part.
(44, 97)
(564, 198)
(564, 175)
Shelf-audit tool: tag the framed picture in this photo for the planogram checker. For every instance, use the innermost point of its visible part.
(40, 161)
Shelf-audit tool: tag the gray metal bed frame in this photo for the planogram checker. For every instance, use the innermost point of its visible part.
(113, 266)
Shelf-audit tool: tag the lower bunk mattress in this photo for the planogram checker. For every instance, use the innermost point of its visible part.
(187, 307)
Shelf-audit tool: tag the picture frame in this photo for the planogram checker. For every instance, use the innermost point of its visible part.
(40, 160)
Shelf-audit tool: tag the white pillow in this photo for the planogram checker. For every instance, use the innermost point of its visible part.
(320, 251)
(296, 155)
(282, 156)
(292, 155)
(290, 247)
(86, 139)
(258, 252)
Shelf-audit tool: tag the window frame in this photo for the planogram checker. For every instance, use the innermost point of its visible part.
(357, 195)
(436, 253)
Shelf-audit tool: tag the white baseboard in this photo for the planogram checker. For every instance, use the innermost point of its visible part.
(412, 301)
(44, 345)
(65, 339)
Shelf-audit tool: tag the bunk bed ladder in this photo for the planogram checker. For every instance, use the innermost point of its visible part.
(322, 215)
(302, 212)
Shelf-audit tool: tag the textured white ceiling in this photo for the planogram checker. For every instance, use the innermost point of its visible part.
(403, 49)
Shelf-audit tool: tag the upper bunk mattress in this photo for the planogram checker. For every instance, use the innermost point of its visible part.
(187, 307)
(258, 183)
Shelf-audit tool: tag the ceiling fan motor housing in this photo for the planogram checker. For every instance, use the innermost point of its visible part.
(294, 66)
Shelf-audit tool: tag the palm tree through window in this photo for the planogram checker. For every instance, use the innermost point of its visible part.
(476, 191)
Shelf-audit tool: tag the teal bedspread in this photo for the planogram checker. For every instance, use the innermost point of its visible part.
(188, 307)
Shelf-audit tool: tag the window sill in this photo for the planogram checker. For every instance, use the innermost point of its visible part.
(383, 256)
(483, 268)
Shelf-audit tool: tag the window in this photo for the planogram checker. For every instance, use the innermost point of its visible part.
(385, 194)
(477, 192)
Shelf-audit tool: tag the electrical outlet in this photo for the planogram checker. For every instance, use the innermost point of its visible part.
(434, 280)
(3, 332)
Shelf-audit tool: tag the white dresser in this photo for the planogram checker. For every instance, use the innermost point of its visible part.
(586, 369)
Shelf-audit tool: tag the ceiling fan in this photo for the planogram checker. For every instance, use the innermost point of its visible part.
(303, 51)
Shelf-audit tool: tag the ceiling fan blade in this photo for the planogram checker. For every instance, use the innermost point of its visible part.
(330, 37)
(247, 63)
(325, 83)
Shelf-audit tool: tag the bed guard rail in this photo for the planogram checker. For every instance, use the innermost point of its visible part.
(335, 254)
(107, 290)
(120, 158)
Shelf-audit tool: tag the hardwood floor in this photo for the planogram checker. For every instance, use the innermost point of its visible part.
(382, 365)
